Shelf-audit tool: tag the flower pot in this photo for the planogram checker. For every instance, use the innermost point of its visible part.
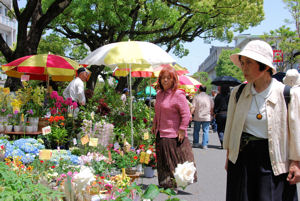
(131, 170)
(4, 120)
(34, 128)
(148, 172)
(2, 128)
(18, 128)
(29, 129)
(34, 121)
(8, 128)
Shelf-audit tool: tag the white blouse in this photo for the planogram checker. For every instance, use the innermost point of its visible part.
(254, 126)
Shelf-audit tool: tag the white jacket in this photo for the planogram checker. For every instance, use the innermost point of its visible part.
(284, 143)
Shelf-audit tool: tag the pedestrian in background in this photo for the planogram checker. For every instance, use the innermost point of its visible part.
(172, 115)
(220, 110)
(262, 152)
(203, 110)
(292, 78)
(124, 95)
(214, 125)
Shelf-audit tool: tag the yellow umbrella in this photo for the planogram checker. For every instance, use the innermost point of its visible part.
(130, 54)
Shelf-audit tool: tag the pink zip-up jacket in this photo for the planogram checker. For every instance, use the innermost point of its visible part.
(172, 113)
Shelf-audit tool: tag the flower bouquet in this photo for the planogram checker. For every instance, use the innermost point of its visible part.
(148, 155)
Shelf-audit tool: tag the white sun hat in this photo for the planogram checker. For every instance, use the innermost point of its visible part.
(291, 78)
(259, 51)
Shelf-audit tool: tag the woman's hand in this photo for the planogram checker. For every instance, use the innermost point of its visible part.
(294, 172)
(153, 129)
(181, 135)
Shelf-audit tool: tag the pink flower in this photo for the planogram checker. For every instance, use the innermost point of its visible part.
(74, 105)
(54, 95)
(60, 99)
(70, 173)
(58, 104)
(53, 111)
(63, 175)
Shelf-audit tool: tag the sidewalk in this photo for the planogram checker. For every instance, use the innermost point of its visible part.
(211, 185)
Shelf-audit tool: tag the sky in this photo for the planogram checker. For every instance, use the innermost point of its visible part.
(275, 14)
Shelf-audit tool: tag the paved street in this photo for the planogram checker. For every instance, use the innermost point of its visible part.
(211, 183)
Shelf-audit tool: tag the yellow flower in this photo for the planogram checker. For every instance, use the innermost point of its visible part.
(6, 91)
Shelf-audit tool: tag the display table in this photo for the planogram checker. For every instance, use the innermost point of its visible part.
(134, 176)
(17, 135)
(22, 133)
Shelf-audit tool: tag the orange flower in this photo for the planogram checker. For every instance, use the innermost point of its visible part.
(62, 124)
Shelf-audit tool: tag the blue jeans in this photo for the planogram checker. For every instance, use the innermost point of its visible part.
(205, 129)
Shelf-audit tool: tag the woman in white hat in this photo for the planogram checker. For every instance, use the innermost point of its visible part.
(262, 153)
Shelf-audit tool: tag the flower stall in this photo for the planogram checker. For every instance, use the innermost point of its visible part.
(76, 153)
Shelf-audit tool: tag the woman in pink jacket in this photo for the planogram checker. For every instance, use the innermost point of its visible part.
(172, 115)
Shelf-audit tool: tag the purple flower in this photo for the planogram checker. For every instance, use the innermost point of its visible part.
(9, 115)
(30, 111)
(16, 112)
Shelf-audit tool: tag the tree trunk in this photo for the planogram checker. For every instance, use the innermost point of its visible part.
(122, 83)
(95, 70)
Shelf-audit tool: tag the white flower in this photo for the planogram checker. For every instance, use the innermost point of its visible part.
(184, 174)
(149, 151)
(83, 178)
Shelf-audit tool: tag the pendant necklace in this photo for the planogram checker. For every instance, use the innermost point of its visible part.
(259, 115)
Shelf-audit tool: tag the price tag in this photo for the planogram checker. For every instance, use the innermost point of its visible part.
(146, 136)
(25, 78)
(93, 142)
(85, 139)
(46, 130)
(45, 154)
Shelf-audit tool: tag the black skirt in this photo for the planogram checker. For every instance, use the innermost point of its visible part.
(169, 154)
(251, 178)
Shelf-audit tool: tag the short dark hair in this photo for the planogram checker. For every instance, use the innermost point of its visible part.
(202, 88)
(262, 66)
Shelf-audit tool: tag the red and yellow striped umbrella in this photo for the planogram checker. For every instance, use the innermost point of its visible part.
(150, 71)
(188, 84)
(41, 66)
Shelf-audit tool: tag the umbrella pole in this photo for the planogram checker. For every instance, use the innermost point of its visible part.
(130, 91)
(150, 102)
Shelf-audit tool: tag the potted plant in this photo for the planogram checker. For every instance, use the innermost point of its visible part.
(59, 134)
(148, 159)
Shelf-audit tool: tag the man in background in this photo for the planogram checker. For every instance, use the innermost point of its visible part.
(202, 108)
(75, 89)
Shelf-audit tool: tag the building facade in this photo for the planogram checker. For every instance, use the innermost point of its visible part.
(8, 26)
(209, 64)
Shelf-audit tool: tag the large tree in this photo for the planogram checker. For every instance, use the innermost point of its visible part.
(287, 39)
(226, 67)
(32, 21)
(167, 23)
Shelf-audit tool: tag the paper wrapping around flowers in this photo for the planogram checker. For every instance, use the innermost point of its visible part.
(147, 158)
(142, 157)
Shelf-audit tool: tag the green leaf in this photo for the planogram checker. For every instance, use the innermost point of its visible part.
(151, 192)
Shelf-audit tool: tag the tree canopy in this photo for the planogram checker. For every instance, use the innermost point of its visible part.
(287, 39)
(32, 21)
(166, 23)
(226, 67)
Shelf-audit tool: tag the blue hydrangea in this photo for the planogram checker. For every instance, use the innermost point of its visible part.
(64, 155)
